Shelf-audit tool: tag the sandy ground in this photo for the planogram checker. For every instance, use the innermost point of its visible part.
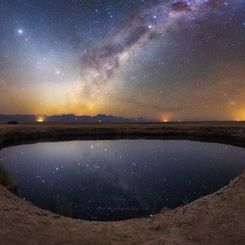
(215, 219)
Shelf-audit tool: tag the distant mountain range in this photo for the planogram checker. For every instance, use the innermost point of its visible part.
(71, 118)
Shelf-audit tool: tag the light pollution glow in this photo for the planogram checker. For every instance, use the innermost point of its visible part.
(40, 119)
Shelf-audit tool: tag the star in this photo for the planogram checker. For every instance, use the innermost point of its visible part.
(20, 31)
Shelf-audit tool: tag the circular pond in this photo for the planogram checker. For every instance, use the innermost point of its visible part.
(119, 179)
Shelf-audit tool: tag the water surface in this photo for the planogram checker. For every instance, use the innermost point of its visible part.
(119, 179)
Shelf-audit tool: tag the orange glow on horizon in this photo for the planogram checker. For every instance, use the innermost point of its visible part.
(240, 116)
(40, 119)
(165, 118)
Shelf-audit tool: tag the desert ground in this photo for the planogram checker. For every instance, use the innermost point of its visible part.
(218, 218)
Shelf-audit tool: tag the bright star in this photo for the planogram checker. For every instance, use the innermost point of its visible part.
(20, 31)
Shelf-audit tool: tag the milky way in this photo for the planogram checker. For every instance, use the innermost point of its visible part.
(159, 59)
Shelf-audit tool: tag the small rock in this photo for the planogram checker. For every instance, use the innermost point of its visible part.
(156, 227)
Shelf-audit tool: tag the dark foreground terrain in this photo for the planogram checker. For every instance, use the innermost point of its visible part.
(215, 219)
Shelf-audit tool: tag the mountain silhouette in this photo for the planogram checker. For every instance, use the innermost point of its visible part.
(71, 118)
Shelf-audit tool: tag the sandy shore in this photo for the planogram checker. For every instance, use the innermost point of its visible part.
(215, 219)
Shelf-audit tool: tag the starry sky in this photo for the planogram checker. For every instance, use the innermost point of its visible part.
(159, 59)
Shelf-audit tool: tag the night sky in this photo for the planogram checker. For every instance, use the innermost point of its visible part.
(168, 60)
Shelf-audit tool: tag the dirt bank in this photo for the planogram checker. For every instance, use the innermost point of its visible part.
(215, 219)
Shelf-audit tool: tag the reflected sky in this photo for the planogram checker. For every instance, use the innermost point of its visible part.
(114, 180)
